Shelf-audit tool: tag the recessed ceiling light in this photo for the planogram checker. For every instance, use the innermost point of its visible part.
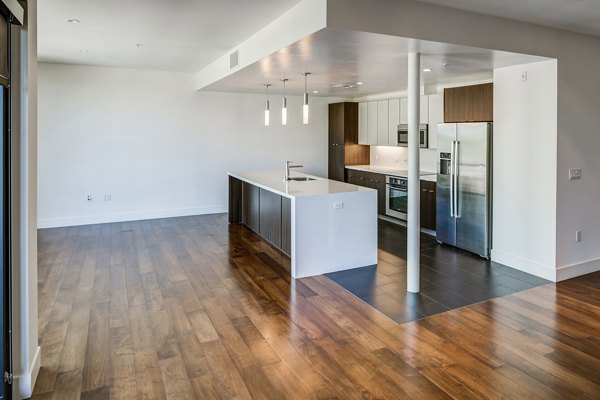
(360, 83)
(72, 20)
(427, 70)
(83, 51)
(338, 85)
(315, 91)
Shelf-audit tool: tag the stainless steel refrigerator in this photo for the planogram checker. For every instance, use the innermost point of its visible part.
(464, 186)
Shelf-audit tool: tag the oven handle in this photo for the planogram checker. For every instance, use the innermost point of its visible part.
(401, 188)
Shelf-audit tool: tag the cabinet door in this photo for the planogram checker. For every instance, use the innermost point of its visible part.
(286, 225)
(382, 123)
(393, 121)
(428, 205)
(270, 217)
(372, 122)
(336, 162)
(469, 103)
(363, 126)
(250, 206)
(381, 189)
(424, 110)
(336, 123)
(436, 116)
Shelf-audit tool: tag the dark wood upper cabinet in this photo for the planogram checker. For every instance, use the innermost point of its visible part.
(469, 103)
(343, 140)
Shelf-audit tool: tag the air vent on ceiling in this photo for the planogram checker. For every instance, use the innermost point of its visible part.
(233, 59)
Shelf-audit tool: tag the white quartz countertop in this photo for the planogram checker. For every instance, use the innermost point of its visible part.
(386, 170)
(273, 181)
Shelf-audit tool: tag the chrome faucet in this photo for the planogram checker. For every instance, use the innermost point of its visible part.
(288, 165)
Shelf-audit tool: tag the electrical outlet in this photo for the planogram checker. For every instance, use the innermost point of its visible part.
(89, 197)
(577, 236)
(524, 76)
(574, 174)
(338, 205)
(107, 197)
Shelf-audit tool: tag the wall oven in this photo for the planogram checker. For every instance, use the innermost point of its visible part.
(396, 197)
(423, 135)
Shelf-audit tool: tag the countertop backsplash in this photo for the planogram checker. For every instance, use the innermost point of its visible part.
(397, 157)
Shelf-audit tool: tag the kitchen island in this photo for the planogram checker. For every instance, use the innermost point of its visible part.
(322, 225)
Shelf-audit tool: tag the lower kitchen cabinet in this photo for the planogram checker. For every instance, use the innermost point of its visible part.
(270, 217)
(286, 226)
(264, 212)
(428, 204)
(250, 206)
(370, 180)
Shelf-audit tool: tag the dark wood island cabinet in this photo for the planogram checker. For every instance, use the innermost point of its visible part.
(265, 213)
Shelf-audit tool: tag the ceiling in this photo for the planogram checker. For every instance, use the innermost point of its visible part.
(175, 35)
(343, 58)
(186, 35)
(574, 15)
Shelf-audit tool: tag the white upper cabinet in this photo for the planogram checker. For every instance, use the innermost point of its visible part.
(378, 120)
(424, 105)
(382, 123)
(393, 121)
(436, 116)
(363, 132)
(372, 122)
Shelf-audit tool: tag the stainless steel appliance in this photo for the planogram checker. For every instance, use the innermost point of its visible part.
(464, 186)
(423, 135)
(396, 197)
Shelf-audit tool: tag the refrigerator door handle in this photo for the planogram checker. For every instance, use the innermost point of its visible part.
(452, 179)
(456, 177)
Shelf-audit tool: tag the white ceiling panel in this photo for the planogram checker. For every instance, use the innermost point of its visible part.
(175, 35)
(339, 58)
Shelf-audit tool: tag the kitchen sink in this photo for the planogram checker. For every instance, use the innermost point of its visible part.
(301, 178)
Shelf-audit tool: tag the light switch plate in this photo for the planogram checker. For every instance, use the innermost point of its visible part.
(577, 236)
(574, 173)
(338, 205)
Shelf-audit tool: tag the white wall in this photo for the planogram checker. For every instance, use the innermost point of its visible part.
(524, 182)
(159, 148)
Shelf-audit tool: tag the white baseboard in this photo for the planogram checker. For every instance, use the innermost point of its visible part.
(523, 264)
(23, 384)
(574, 270)
(132, 216)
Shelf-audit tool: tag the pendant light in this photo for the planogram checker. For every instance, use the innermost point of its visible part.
(267, 106)
(284, 106)
(305, 106)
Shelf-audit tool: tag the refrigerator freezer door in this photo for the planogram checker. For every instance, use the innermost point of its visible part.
(472, 158)
(445, 223)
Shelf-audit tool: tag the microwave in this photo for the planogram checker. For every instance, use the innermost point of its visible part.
(423, 135)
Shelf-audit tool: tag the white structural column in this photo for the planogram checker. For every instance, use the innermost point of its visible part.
(414, 183)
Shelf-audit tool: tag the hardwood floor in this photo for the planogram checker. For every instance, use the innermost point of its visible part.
(190, 307)
(450, 278)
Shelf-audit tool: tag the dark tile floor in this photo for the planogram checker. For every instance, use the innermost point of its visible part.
(450, 278)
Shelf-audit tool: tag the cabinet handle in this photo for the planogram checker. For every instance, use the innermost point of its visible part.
(431, 191)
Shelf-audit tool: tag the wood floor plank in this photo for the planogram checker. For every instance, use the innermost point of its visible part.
(194, 308)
